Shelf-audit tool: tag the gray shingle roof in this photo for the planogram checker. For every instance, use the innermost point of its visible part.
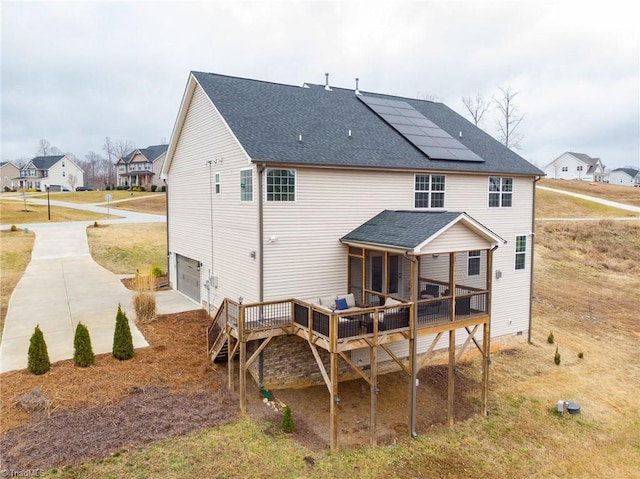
(267, 118)
(403, 229)
(150, 152)
(45, 162)
(585, 158)
(629, 171)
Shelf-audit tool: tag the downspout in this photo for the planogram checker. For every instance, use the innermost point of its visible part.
(166, 214)
(414, 355)
(533, 229)
(261, 169)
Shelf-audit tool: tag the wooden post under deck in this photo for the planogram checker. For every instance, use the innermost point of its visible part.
(373, 360)
(452, 367)
(334, 406)
(230, 360)
(243, 376)
(486, 337)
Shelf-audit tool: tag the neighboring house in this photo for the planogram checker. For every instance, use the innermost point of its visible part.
(282, 197)
(56, 172)
(142, 167)
(576, 166)
(8, 175)
(624, 176)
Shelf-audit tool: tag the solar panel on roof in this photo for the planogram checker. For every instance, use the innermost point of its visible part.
(421, 132)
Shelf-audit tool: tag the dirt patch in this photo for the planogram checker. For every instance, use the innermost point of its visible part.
(171, 389)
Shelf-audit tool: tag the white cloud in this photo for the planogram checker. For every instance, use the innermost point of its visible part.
(76, 72)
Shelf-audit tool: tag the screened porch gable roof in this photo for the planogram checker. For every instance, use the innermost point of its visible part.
(419, 232)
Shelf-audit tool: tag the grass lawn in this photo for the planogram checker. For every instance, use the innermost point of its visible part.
(123, 249)
(15, 254)
(622, 194)
(94, 196)
(13, 213)
(556, 205)
(155, 204)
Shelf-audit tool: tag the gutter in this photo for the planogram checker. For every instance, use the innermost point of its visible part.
(166, 214)
(533, 229)
(260, 169)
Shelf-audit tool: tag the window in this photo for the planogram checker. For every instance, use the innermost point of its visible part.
(246, 185)
(579, 167)
(121, 168)
(217, 180)
(64, 174)
(565, 168)
(500, 192)
(521, 251)
(281, 185)
(429, 191)
(63, 164)
(473, 263)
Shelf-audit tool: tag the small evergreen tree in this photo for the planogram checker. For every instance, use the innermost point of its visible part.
(288, 425)
(38, 354)
(550, 338)
(122, 340)
(82, 351)
(556, 358)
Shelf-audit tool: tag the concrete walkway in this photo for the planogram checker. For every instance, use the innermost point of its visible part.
(614, 204)
(62, 286)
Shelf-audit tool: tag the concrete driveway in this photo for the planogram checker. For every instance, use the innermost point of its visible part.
(62, 286)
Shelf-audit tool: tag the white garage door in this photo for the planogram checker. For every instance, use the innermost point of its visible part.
(188, 277)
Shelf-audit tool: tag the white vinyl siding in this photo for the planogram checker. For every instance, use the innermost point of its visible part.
(191, 206)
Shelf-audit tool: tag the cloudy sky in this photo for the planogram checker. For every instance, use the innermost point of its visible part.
(76, 72)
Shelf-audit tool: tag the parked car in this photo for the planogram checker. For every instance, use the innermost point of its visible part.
(83, 188)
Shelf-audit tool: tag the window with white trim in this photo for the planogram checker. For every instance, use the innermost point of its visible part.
(565, 168)
(217, 183)
(281, 185)
(473, 263)
(500, 192)
(521, 251)
(246, 185)
(429, 191)
(579, 167)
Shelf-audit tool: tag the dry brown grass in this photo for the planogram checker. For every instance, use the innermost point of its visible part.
(144, 300)
(15, 254)
(152, 204)
(557, 205)
(12, 212)
(127, 248)
(621, 194)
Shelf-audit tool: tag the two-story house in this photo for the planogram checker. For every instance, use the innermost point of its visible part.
(576, 166)
(335, 232)
(54, 172)
(8, 175)
(141, 167)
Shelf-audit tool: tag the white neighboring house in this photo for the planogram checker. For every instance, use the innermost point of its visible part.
(576, 166)
(8, 175)
(56, 172)
(625, 177)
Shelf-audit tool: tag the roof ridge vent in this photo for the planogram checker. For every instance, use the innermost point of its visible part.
(326, 82)
(357, 91)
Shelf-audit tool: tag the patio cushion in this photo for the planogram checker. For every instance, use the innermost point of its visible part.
(328, 301)
(341, 304)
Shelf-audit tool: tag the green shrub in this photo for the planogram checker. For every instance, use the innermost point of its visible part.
(163, 188)
(95, 224)
(556, 358)
(580, 355)
(154, 188)
(14, 228)
(156, 272)
(38, 354)
(6, 189)
(550, 338)
(122, 340)
(288, 425)
(82, 351)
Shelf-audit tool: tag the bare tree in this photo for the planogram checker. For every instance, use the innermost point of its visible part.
(477, 107)
(44, 147)
(115, 150)
(72, 180)
(510, 118)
